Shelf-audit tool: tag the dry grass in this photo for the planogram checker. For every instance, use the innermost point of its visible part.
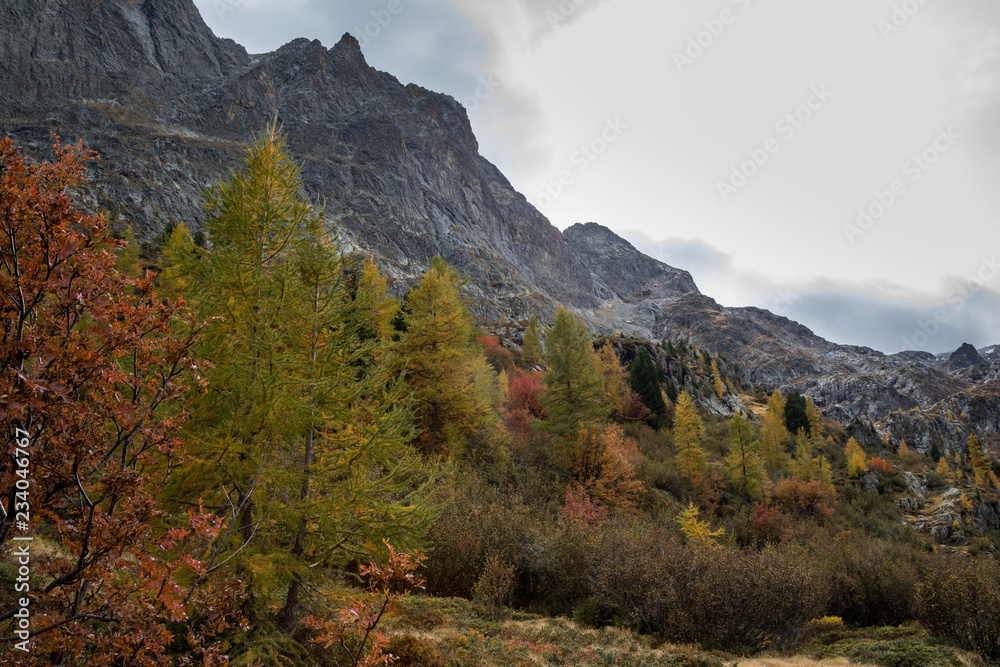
(797, 661)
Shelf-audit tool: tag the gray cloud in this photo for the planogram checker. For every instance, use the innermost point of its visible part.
(881, 316)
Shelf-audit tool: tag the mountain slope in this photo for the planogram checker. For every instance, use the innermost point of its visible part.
(169, 106)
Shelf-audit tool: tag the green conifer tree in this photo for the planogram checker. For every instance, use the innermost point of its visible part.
(645, 381)
(573, 383)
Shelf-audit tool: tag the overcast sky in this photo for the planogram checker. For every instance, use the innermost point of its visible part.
(836, 163)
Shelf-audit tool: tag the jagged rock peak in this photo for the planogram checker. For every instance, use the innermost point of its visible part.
(349, 45)
(965, 357)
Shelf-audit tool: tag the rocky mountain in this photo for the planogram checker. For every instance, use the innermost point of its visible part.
(169, 106)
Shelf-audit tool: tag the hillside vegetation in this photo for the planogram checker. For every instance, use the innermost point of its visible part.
(252, 455)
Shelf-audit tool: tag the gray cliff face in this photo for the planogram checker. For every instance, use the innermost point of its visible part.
(170, 107)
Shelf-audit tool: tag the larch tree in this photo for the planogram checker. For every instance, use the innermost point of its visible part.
(442, 362)
(774, 434)
(717, 384)
(817, 431)
(806, 466)
(696, 531)
(982, 470)
(857, 461)
(302, 430)
(603, 462)
(942, 467)
(825, 472)
(531, 351)
(573, 384)
(904, 451)
(689, 437)
(743, 461)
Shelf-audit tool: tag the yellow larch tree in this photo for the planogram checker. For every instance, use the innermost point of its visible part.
(689, 434)
(774, 434)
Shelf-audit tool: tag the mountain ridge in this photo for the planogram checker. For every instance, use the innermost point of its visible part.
(169, 107)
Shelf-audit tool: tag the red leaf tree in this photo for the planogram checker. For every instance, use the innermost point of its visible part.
(91, 363)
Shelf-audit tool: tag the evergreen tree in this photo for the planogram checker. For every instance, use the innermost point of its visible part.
(573, 384)
(442, 363)
(671, 391)
(935, 451)
(743, 461)
(689, 436)
(795, 413)
(531, 351)
(644, 380)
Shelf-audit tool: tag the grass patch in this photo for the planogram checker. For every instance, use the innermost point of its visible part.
(905, 646)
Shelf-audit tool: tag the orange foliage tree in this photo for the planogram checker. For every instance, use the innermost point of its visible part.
(603, 462)
(91, 362)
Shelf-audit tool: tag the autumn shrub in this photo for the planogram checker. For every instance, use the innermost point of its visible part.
(872, 582)
(580, 507)
(517, 422)
(525, 393)
(881, 467)
(499, 357)
(720, 597)
(603, 461)
(411, 651)
(809, 500)
(560, 561)
(875, 514)
(494, 591)
(769, 525)
(960, 599)
(470, 529)
(825, 624)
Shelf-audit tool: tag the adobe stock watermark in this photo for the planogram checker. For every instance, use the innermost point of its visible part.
(563, 12)
(900, 16)
(784, 299)
(486, 88)
(913, 169)
(586, 155)
(713, 30)
(21, 511)
(381, 19)
(787, 127)
(927, 330)
(223, 7)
